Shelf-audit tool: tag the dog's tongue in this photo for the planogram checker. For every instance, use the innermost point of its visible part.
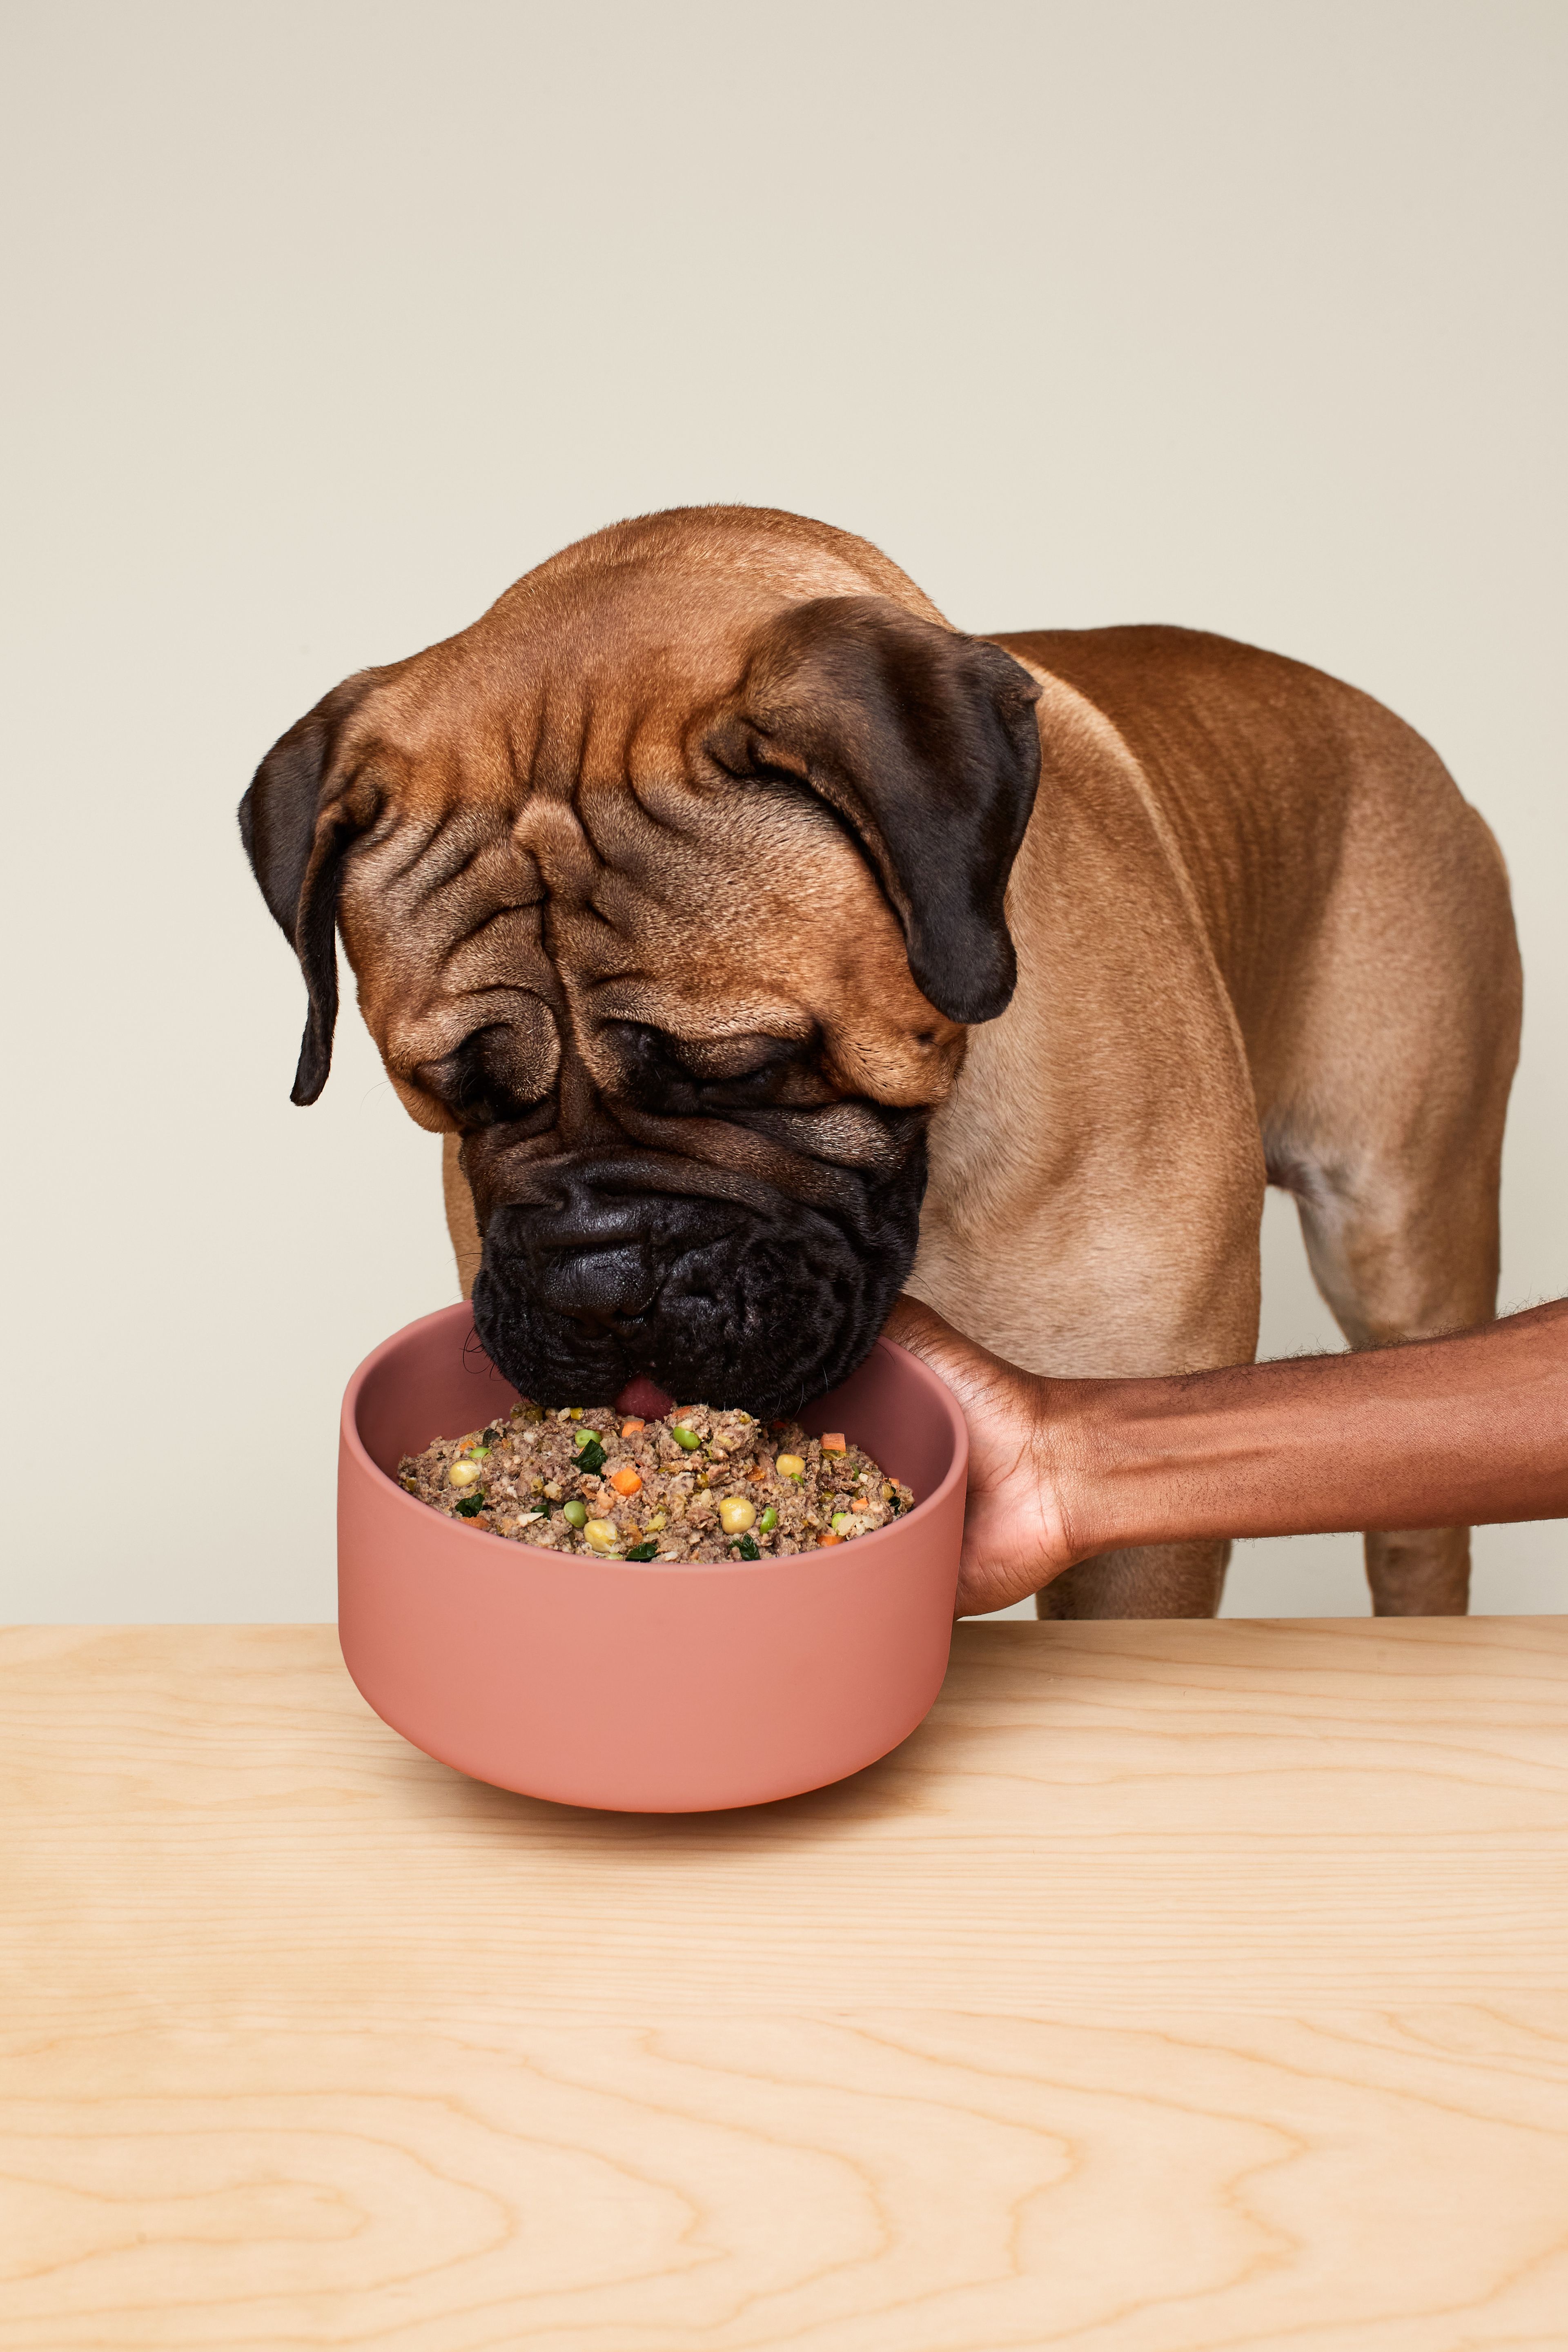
(639, 1399)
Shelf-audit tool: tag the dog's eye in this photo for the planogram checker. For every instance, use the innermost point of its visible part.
(733, 1061)
(480, 1082)
(685, 1076)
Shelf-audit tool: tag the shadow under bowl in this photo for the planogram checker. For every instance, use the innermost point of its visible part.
(641, 1686)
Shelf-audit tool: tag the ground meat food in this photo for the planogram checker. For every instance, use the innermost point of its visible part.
(702, 1484)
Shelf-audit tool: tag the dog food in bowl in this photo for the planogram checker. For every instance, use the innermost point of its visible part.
(704, 1484)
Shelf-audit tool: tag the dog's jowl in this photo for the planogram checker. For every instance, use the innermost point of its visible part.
(762, 944)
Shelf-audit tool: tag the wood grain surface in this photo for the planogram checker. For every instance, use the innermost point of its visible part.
(1176, 1987)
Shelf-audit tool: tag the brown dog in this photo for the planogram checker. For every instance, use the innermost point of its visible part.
(717, 901)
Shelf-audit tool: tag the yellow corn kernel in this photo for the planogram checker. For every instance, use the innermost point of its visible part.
(601, 1534)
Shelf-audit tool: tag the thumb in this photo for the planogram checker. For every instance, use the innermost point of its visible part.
(972, 1371)
(919, 1327)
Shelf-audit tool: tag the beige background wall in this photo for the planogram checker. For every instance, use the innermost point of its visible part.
(329, 320)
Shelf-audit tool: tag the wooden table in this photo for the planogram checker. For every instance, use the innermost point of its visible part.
(1176, 1987)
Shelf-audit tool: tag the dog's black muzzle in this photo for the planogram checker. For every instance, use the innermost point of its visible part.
(712, 1285)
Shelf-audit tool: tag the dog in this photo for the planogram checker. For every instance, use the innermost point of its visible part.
(760, 945)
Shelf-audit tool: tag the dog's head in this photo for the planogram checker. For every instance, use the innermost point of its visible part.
(671, 885)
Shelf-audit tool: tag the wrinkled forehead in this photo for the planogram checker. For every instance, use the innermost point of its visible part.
(712, 911)
(589, 680)
(674, 897)
(554, 852)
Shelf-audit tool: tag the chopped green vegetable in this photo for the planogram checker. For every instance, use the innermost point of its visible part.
(469, 1506)
(747, 1549)
(768, 1521)
(643, 1551)
(686, 1438)
(576, 1513)
(591, 1458)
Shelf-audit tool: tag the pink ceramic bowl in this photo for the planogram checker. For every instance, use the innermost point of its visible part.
(637, 1685)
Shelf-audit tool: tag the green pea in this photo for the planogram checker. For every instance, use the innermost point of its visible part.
(768, 1521)
(687, 1439)
(577, 1513)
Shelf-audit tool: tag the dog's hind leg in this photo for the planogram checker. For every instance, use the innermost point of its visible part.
(1404, 1252)
(1390, 1135)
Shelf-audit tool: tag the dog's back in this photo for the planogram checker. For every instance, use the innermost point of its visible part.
(1268, 773)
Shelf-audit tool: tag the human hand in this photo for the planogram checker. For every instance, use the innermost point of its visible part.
(1023, 1463)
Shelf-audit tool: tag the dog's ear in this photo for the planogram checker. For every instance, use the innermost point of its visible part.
(298, 821)
(925, 742)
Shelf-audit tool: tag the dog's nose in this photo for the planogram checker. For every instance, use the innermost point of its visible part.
(601, 1287)
(582, 1255)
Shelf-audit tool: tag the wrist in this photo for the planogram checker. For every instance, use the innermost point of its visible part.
(1077, 1447)
(1167, 1459)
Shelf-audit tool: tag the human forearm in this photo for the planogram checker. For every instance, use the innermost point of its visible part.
(1438, 1434)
